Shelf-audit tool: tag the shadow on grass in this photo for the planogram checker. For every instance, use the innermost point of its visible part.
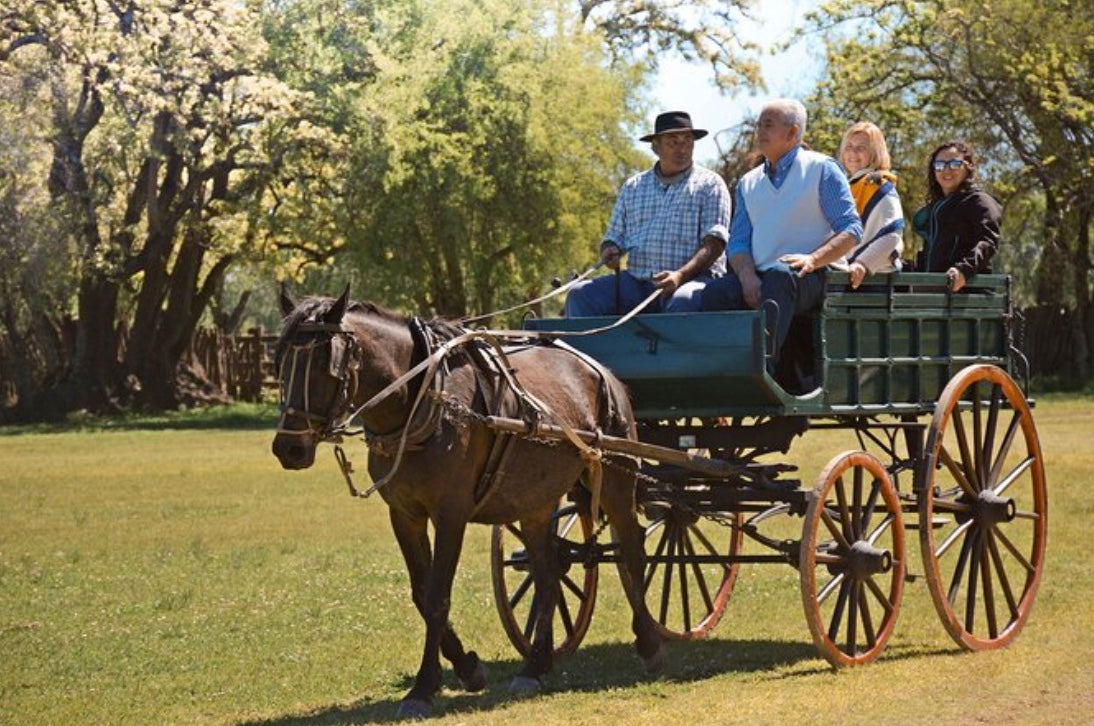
(593, 668)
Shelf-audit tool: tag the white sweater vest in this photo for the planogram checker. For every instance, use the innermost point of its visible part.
(787, 220)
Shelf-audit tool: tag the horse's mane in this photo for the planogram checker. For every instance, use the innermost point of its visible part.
(312, 309)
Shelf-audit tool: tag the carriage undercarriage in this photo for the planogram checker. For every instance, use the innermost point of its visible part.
(947, 452)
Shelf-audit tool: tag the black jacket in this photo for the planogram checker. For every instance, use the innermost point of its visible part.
(961, 230)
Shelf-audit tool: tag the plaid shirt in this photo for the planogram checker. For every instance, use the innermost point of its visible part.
(662, 226)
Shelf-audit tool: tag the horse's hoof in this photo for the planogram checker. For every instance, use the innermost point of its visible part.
(525, 686)
(414, 708)
(656, 662)
(474, 681)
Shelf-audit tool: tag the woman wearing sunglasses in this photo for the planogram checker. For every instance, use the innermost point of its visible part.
(960, 222)
(865, 157)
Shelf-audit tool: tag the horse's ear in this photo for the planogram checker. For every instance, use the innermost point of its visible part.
(287, 305)
(338, 310)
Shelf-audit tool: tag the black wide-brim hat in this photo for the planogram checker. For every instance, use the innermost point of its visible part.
(671, 121)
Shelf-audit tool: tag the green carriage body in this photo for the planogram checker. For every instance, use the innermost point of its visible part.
(888, 349)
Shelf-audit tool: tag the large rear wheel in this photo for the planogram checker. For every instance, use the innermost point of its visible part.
(984, 495)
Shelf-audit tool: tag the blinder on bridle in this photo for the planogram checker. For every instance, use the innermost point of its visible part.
(298, 361)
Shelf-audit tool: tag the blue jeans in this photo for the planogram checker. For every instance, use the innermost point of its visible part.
(791, 294)
(599, 296)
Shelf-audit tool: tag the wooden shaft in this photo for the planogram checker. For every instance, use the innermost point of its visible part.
(616, 444)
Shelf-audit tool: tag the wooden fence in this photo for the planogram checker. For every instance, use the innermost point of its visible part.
(242, 366)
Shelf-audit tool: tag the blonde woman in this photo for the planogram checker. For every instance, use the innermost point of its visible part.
(865, 157)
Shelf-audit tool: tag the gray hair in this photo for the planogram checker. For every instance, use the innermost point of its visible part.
(793, 112)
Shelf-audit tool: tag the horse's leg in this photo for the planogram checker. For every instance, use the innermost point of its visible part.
(543, 560)
(429, 586)
(617, 500)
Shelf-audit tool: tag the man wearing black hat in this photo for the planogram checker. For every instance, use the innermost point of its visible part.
(672, 222)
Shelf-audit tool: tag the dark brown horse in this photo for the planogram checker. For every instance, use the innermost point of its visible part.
(334, 356)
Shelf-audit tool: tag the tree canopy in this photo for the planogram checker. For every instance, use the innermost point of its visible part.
(446, 155)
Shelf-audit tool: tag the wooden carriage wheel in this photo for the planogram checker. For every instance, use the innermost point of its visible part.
(688, 581)
(984, 497)
(514, 592)
(852, 559)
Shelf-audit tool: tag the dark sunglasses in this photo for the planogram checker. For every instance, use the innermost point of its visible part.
(951, 164)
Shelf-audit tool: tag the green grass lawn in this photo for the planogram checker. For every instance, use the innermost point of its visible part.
(157, 575)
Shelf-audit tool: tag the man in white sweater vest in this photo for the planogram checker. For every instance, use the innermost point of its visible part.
(793, 215)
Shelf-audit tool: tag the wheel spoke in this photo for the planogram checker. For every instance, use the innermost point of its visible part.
(871, 505)
(989, 434)
(515, 531)
(844, 514)
(1014, 551)
(564, 615)
(856, 506)
(666, 583)
(1004, 446)
(1012, 477)
(963, 443)
(837, 612)
(571, 519)
(520, 592)
(697, 572)
(707, 545)
(685, 604)
(573, 587)
(986, 587)
(882, 528)
(867, 621)
(651, 569)
(832, 585)
(530, 621)
(959, 570)
(957, 472)
(882, 598)
(977, 462)
(836, 531)
(951, 538)
(974, 573)
(1001, 573)
(852, 618)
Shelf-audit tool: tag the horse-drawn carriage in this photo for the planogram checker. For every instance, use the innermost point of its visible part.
(922, 377)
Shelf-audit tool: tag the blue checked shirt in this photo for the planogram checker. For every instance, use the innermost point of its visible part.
(836, 203)
(662, 226)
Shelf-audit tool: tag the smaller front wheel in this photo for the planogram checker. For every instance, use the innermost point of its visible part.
(852, 560)
(514, 593)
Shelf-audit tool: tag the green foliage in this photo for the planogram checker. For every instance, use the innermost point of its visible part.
(486, 155)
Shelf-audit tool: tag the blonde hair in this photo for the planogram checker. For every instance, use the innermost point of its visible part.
(879, 150)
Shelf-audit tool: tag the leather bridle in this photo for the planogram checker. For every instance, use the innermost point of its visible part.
(299, 361)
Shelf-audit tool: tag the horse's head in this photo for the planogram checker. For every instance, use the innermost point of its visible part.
(317, 362)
